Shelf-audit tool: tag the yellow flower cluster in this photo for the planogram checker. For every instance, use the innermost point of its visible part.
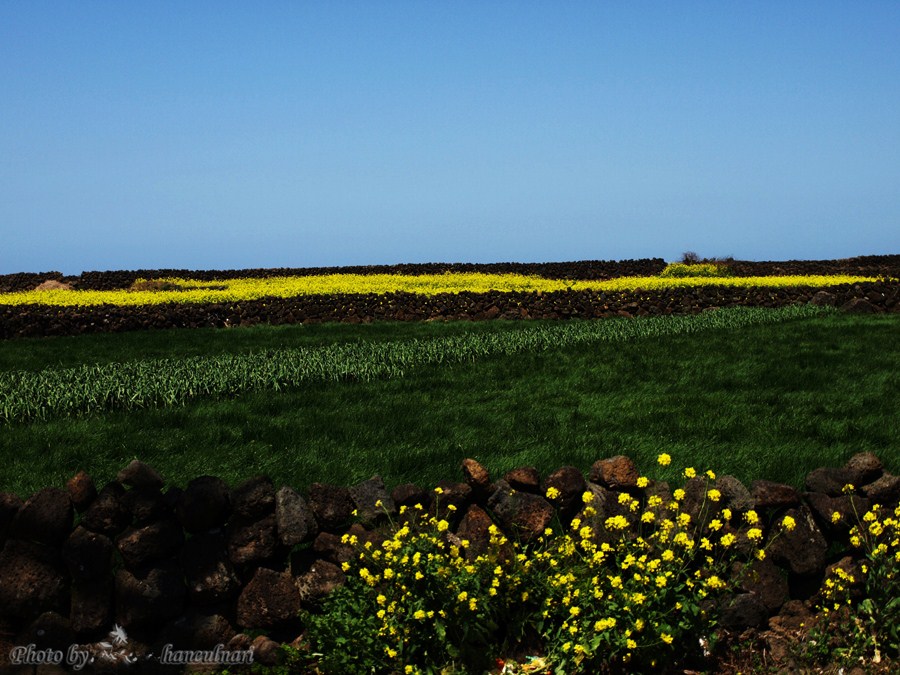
(425, 576)
(877, 534)
(244, 289)
(602, 574)
(625, 586)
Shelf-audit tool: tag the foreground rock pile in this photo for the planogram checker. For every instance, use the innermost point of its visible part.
(209, 564)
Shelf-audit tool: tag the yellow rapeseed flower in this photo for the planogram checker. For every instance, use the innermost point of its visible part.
(247, 289)
(664, 459)
(616, 523)
(788, 523)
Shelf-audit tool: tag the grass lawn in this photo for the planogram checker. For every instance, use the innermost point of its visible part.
(769, 401)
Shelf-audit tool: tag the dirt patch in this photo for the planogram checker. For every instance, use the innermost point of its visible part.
(53, 285)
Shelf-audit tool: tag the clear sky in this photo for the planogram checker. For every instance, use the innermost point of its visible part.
(290, 134)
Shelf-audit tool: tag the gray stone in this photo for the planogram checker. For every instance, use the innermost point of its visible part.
(46, 517)
(862, 468)
(735, 495)
(107, 514)
(149, 598)
(409, 495)
(524, 479)
(48, 631)
(269, 599)
(205, 504)
(31, 580)
(209, 572)
(615, 472)
(474, 529)
(321, 579)
(366, 495)
(477, 477)
(570, 485)
(91, 608)
(139, 474)
(885, 490)
(156, 541)
(87, 555)
(803, 549)
(331, 505)
(765, 579)
(197, 630)
(9, 506)
(767, 494)
(822, 298)
(294, 520)
(827, 481)
(521, 514)
(742, 611)
(251, 542)
(82, 491)
(859, 306)
(254, 498)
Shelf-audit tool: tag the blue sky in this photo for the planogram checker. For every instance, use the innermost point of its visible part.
(288, 134)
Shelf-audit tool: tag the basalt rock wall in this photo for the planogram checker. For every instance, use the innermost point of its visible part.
(112, 280)
(48, 320)
(209, 564)
(873, 265)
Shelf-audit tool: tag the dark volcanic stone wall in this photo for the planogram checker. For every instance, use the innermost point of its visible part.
(585, 269)
(873, 265)
(208, 564)
(44, 320)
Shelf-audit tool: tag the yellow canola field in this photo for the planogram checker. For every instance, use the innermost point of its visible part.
(238, 290)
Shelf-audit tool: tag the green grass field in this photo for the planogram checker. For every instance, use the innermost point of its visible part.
(765, 401)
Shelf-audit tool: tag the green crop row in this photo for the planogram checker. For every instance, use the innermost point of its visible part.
(88, 389)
